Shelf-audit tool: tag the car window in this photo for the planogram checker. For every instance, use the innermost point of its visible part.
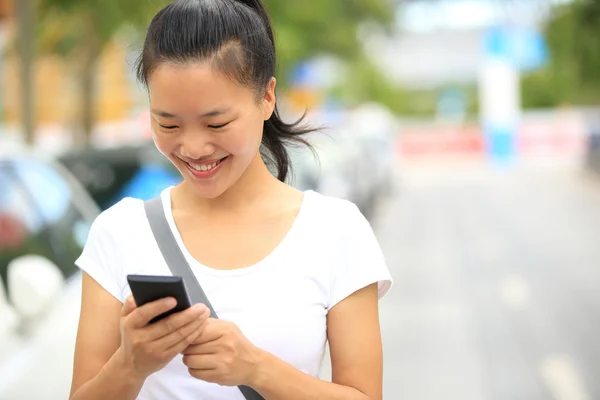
(43, 201)
(51, 195)
(109, 175)
(21, 231)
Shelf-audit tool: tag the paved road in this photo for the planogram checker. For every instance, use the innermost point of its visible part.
(497, 286)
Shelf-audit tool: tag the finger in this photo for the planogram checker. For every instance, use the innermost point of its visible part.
(181, 338)
(187, 333)
(148, 311)
(180, 346)
(213, 330)
(128, 306)
(205, 375)
(176, 321)
(201, 363)
(203, 349)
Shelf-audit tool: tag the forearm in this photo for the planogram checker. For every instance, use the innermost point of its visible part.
(275, 380)
(112, 382)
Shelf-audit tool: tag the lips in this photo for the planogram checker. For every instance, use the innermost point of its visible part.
(205, 170)
(206, 166)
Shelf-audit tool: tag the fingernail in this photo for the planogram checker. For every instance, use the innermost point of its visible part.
(171, 302)
(201, 308)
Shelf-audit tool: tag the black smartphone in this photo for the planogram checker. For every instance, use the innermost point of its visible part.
(148, 288)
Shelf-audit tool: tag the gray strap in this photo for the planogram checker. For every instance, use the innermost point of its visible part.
(179, 266)
(172, 252)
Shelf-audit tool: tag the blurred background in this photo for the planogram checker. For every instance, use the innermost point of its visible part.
(467, 131)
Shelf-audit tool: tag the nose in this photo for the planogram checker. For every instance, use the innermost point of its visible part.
(196, 146)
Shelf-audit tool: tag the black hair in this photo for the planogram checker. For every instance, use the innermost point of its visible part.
(236, 37)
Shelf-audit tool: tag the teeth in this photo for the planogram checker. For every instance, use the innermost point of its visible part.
(204, 167)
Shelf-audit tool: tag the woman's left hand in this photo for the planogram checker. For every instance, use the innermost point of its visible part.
(222, 355)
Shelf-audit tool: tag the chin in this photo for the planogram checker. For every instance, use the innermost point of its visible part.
(205, 190)
(206, 193)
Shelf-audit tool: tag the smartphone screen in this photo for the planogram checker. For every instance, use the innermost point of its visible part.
(148, 288)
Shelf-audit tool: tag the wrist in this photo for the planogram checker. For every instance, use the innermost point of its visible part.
(120, 366)
(262, 366)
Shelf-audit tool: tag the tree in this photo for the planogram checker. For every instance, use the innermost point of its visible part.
(81, 30)
(314, 27)
(307, 28)
(25, 21)
(573, 72)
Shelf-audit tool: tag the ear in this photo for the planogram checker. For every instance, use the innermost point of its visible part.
(269, 99)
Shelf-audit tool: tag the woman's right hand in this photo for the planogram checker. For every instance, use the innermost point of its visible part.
(147, 348)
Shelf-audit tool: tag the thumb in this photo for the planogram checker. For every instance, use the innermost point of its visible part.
(128, 306)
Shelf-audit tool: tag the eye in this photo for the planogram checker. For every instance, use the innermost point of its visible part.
(219, 126)
(168, 127)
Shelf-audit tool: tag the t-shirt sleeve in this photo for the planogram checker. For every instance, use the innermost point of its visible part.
(362, 262)
(99, 257)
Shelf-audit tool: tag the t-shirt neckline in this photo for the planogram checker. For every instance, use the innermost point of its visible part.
(195, 264)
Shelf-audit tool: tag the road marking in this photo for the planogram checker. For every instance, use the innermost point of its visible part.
(562, 379)
(515, 291)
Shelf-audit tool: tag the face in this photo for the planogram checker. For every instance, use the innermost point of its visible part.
(209, 126)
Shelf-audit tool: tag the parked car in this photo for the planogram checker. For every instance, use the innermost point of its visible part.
(329, 168)
(340, 169)
(305, 171)
(110, 174)
(356, 157)
(45, 216)
(375, 129)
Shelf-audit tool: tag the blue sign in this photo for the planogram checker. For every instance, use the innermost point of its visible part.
(304, 75)
(507, 52)
(496, 43)
(526, 48)
(452, 103)
(500, 143)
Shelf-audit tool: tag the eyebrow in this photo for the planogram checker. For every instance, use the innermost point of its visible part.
(212, 113)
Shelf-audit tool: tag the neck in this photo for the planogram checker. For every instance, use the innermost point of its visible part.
(255, 184)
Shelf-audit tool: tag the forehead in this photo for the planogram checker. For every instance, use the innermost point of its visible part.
(196, 84)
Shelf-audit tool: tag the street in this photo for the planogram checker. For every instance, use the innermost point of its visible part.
(497, 286)
(496, 293)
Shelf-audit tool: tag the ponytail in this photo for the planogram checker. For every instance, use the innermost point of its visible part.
(258, 7)
(277, 134)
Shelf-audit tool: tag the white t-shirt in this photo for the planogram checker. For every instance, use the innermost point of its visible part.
(279, 303)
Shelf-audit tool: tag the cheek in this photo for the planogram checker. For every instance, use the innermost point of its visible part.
(243, 141)
(166, 145)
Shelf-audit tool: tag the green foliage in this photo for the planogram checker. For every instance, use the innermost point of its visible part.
(573, 73)
(366, 82)
(307, 28)
(63, 23)
(303, 29)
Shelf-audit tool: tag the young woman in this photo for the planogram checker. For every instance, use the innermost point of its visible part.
(285, 270)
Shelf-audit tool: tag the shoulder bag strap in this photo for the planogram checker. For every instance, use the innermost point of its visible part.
(179, 266)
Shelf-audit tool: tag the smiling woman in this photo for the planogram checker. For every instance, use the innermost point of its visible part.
(285, 270)
(209, 125)
(225, 77)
